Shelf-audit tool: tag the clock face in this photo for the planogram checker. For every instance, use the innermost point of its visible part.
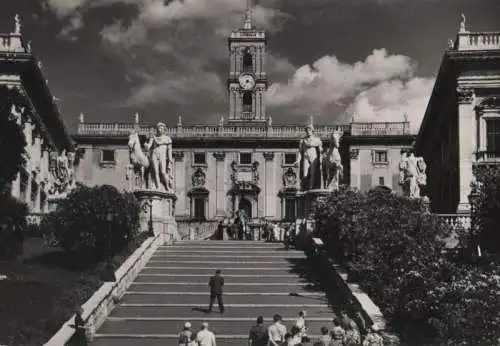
(246, 81)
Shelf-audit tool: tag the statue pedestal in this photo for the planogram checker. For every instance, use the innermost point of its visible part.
(157, 213)
(305, 224)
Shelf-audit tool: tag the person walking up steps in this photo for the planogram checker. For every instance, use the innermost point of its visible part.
(258, 335)
(216, 284)
(205, 337)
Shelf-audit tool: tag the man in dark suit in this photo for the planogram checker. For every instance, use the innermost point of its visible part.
(216, 283)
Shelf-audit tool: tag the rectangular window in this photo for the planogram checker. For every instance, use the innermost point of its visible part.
(493, 136)
(34, 192)
(108, 155)
(245, 158)
(290, 158)
(43, 201)
(380, 156)
(290, 209)
(381, 181)
(200, 158)
(199, 208)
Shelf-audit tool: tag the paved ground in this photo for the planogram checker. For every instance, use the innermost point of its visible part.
(261, 279)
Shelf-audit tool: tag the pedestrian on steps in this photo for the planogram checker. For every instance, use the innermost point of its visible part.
(186, 337)
(205, 337)
(216, 284)
(258, 335)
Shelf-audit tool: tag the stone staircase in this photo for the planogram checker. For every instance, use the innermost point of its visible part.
(261, 279)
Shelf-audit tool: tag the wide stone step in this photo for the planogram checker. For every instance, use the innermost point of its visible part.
(228, 287)
(200, 299)
(227, 327)
(189, 313)
(214, 256)
(171, 340)
(167, 278)
(153, 269)
(162, 269)
(216, 264)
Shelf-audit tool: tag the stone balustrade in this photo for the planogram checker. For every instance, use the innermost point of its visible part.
(456, 221)
(468, 41)
(487, 156)
(249, 34)
(214, 131)
(34, 218)
(192, 230)
(11, 43)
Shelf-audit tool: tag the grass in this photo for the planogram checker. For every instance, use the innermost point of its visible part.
(43, 289)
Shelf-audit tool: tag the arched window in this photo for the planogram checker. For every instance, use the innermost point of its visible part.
(247, 102)
(247, 61)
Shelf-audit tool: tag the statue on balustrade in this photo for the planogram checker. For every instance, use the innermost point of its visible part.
(62, 173)
(412, 174)
(152, 168)
(332, 164)
(310, 150)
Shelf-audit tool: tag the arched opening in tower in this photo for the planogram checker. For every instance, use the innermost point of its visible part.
(247, 61)
(247, 101)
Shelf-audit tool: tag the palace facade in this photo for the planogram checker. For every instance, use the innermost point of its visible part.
(44, 129)
(461, 127)
(245, 162)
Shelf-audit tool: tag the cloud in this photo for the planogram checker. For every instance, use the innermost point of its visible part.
(391, 100)
(380, 88)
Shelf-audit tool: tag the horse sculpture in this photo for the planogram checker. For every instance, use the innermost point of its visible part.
(138, 160)
(332, 164)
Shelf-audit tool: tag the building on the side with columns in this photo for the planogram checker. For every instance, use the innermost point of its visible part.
(461, 126)
(44, 129)
(245, 161)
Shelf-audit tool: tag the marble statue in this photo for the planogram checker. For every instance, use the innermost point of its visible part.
(332, 164)
(81, 118)
(412, 174)
(62, 173)
(155, 166)
(462, 23)
(310, 149)
(136, 118)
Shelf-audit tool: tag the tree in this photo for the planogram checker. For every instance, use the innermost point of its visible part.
(12, 141)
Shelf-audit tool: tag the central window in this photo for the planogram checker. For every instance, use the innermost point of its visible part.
(247, 61)
(493, 136)
(200, 159)
(245, 158)
(290, 204)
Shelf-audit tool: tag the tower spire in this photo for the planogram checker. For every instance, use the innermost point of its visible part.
(248, 16)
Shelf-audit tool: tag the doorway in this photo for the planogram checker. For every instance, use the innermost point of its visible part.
(246, 205)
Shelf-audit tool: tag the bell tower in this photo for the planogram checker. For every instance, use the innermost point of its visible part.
(247, 82)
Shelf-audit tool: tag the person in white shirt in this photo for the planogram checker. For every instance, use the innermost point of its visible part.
(205, 337)
(301, 323)
(277, 331)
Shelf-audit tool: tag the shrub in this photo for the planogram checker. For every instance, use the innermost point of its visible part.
(81, 226)
(12, 225)
(486, 209)
(398, 253)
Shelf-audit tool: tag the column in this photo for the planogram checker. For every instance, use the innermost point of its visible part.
(232, 59)
(220, 195)
(269, 185)
(254, 103)
(239, 104)
(258, 52)
(466, 133)
(355, 168)
(180, 183)
(258, 114)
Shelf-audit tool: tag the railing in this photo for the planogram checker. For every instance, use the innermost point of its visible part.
(249, 33)
(488, 156)
(11, 43)
(380, 129)
(286, 131)
(478, 41)
(196, 230)
(456, 221)
(34, 218)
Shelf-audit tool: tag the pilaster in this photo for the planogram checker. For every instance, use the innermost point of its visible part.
(270, 185)
(466, 134)
(180, 183)
(355, 168)
(220, 179)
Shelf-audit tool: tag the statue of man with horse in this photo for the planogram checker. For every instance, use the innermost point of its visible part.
(152, 168)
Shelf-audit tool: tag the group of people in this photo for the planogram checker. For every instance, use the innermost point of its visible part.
(345, 332)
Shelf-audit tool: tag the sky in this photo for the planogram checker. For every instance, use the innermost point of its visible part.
(371, 60)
